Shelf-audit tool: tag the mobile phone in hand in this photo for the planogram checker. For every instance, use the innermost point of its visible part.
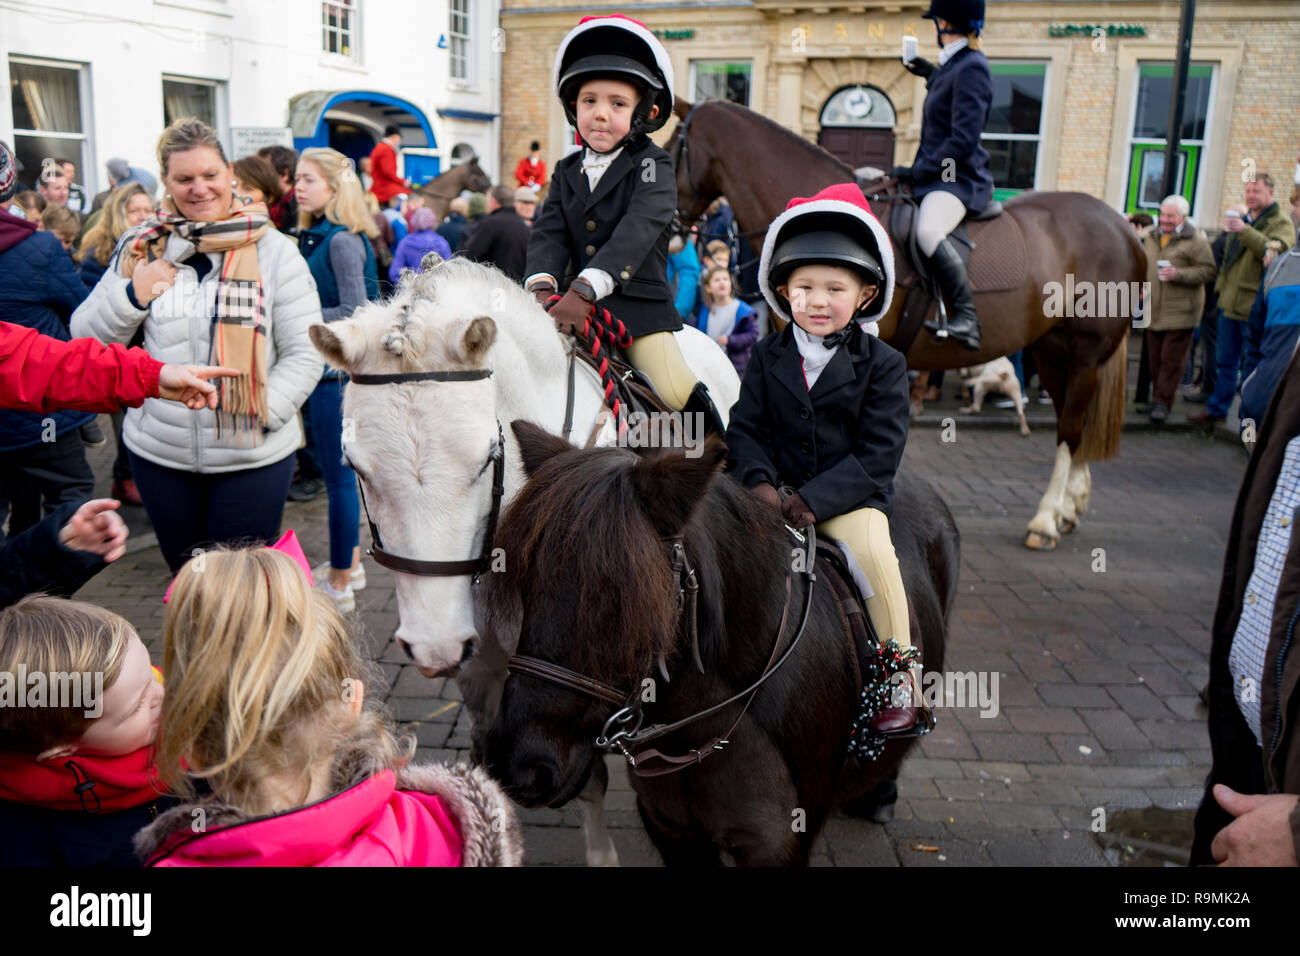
(909, 48)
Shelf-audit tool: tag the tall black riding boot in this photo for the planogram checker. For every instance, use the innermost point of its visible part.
(702, 402)
(963, 325)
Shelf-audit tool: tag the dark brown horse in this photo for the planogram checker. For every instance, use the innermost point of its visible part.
(442, 189)
(1072, 242)
(591, 586)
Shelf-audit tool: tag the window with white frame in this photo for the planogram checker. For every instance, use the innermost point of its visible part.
(338, 27)
(47, 100)
(1150, 128)
(189, 97)
(721, 80)
(1013, 134)
(458, 39)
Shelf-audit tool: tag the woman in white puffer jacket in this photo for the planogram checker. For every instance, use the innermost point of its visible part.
(216, 476)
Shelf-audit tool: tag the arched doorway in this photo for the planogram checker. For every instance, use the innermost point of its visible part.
(353, 121)
(857, 126)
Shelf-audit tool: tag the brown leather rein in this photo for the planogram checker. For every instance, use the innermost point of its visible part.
(497, 459)
(623, 731)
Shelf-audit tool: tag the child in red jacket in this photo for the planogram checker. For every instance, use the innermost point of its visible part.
(79, 711)
(265, 707)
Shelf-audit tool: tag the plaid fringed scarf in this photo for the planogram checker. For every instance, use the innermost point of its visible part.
(239, 319)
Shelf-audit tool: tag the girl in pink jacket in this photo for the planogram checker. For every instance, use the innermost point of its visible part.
(264, 705)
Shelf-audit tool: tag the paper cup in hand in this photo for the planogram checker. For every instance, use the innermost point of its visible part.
(1163, 264)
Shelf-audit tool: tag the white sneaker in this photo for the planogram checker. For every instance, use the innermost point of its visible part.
(358, 580)
(345, 600)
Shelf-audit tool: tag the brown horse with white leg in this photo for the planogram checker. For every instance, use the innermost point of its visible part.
(1071, 243)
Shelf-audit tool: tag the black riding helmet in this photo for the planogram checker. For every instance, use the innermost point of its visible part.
(617, 48)
(966, 16)
(833, 242)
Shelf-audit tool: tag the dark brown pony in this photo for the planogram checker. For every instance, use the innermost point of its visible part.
(760, 165)
(588, 586)
(442, 189)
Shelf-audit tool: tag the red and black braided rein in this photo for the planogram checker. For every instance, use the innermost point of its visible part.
(600, 325)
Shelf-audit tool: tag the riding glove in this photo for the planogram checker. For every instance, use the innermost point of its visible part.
(571, 312)
(767, 494)
(919, 66)
(542, 291)
(902, 173)
(797, 514)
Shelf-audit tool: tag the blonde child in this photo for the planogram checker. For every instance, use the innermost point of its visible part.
(265, 707)
(77, 771)
(823, 408)
(64, 223)
(731, 323)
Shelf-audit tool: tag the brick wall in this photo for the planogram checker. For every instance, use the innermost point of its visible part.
(1263, 123)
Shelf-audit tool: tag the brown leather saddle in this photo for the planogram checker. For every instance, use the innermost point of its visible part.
(632, 388)
(999, 266)
(861, 640)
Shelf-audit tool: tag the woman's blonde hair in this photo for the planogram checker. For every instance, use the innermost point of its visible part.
(709, 273)
(347, 207)
(101, 238)
(260, 674)
(56, 636)
(187, 133)
(973, 41)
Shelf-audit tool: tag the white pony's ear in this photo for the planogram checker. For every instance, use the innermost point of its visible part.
(476, 338)
(341, 343)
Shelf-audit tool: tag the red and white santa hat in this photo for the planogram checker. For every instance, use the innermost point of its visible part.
(611, 25)
(840, 209)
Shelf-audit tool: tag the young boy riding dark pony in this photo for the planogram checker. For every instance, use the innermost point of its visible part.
(824, 409)
(603, 229)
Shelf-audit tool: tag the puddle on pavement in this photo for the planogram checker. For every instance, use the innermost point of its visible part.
(1147, 837)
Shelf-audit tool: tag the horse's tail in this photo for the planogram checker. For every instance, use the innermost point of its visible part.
(1103, 422)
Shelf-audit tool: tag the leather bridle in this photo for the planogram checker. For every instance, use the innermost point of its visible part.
(496, 458)
(622, 730)
(682, 221)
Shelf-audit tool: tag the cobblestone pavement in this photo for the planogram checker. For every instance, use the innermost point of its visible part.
(1098, 669)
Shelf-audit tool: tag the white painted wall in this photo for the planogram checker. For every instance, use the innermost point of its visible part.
(263, 53)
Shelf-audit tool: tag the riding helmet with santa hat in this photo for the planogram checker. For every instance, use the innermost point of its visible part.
(835, 227)
(616, 47)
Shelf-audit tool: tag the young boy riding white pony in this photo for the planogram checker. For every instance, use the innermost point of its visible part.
(426, 445)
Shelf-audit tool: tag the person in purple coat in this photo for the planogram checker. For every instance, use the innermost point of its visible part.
(731, 323)
(415, 244)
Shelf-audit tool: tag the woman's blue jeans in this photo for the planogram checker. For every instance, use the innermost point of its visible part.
(326, 403)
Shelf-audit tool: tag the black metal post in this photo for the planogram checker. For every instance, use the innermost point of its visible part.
(1171, 185)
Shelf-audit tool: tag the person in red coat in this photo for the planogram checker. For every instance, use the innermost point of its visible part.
(39, 373)
(383, 167)
(531, 171)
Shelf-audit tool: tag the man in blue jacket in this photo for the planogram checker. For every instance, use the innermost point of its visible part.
(1271, 334)
(40, 288)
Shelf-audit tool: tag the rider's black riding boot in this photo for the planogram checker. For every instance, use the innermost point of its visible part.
(702, 402)
(963, 325)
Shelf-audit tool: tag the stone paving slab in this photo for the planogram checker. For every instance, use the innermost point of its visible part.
(1098, 670)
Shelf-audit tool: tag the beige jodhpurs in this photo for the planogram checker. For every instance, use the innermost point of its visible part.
(658, 355)
(866, 532)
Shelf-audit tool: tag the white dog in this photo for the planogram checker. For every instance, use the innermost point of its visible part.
(996, 376)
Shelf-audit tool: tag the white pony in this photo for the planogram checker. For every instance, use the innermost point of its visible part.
(423, 450)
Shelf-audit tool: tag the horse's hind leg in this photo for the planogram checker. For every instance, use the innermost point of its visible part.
(678, 846)
(877, 804)
(600, 847)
